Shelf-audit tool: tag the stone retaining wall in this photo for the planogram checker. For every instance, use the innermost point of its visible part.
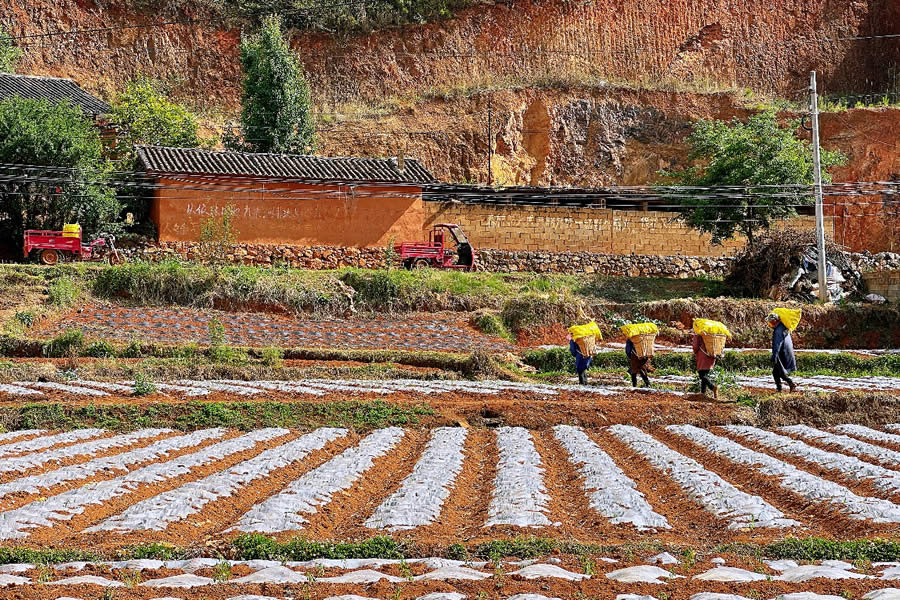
(326, 257)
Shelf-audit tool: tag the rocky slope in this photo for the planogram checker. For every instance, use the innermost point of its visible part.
(763, 45)
(546, 76)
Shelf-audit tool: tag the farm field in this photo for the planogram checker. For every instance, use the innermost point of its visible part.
(450, 333)
(193, 453)
(679, 486)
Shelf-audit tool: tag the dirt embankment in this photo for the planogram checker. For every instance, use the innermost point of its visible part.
(547, 130)
(759, 44)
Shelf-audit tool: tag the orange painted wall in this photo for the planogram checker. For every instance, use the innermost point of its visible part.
(290, 213)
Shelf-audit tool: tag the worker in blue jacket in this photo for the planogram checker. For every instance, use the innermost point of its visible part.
(582, 362)
(783, 360)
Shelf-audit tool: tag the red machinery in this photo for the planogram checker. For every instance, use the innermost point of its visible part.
(50, 247)
(435, 253)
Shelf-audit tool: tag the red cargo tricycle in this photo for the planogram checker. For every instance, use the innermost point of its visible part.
(51, 247)
(437, 252)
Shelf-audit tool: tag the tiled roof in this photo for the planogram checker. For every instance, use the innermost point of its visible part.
(53, 89)
(160, 159)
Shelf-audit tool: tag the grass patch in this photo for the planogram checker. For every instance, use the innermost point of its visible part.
(646, 289)
(63, 292)
(490, 323)
(44, 557)
(68, 343)
(826, 409)
(153, 551)
(257, 546)
(560, 360)
(359, 415)
(814, 549)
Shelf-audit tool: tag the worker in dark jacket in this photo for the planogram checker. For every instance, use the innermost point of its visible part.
(783, 360)
(582, 362)
(637, 365)
(705, 364)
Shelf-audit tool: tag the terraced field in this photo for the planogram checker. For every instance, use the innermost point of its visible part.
(434, 332)
(679, 483)
(443, 579)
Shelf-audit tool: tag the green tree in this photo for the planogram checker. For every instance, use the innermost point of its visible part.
(146, 115)
(275, 115)
(71, 188)
(9, 53)
(749, 157)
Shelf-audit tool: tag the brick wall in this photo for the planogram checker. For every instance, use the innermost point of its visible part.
(569, 229)
(884, 283)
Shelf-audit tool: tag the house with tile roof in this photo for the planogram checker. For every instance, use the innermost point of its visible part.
(54, 89)
(285, 199)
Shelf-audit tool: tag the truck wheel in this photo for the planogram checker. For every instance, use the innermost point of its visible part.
(49, 257)
(421, 263)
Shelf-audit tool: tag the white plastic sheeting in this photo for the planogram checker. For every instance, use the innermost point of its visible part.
(285, 511)
(422, 494)
(868, 433)
(119, 462)
(37, 459)
(158, 512)
(541, 571)
(709, 490)
(314, 387)
(814, 383)
(519, 497)
(849, 466)
(641, 574)
(18, 522)
(39, 443)
(807, 485)
(71, 389)
(610, 492)
(730, 574)
(17, 390)
(846, 443)
(12, 435)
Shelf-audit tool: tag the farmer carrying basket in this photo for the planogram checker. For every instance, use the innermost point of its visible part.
(582, 345)
(708, 343)
(640, 338)
(783, 321)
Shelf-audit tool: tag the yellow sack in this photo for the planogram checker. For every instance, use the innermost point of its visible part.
(789, 316)
(580, 331)
(708, 326)
(638, 328)
(71, 230)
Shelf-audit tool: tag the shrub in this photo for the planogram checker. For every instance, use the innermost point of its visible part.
(216, 332)
(100, 349)
(143, 386)
(272, 356)
(228, 355)
(68, 343)
(62, 292)
(132, 350)
(375, 289)
(26, 317)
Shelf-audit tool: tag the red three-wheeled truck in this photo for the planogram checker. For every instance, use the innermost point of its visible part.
(438, 252)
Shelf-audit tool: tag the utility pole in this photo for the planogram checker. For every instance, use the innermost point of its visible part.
(817, 174)
(490, 141)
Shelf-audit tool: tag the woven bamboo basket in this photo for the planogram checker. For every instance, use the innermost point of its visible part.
(715, 344)
(587, 344)
(644, 344)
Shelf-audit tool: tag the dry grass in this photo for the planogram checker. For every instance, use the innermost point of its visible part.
(827, 409)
